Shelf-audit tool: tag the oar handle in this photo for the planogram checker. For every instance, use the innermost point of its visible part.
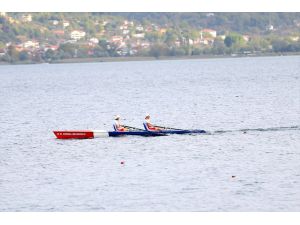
(131, 127)
(167, 127)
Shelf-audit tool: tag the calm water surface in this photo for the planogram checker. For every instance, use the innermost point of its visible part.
(251, 106)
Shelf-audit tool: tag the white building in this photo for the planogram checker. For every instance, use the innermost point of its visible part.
(210, 14)
(246, 38)
(2, 52)
(139, 28)
(211, 32)
(142, 35)
(270, 27)
(66, 23)
(126, 32)
(128, 23)
(116, 39)
(31, 44)
(94, 40)
(77, 34)
(55, 22)
(294, 38)
(145, 44)
(27, 18)
(123, 27)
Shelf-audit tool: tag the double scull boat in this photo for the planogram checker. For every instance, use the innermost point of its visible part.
(87, 134)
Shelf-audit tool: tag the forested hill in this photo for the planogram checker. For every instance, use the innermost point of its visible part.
(238, 22)
(255, 23)
(48, 36)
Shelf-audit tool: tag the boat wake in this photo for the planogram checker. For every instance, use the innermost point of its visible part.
(257, 129)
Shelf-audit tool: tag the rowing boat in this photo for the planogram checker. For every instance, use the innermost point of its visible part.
(88, 134)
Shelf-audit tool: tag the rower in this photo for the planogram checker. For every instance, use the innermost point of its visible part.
(148, 126)
(118, 126)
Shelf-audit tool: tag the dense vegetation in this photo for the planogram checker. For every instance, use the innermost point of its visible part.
(170, 34)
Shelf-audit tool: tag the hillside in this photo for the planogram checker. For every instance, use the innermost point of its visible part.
(52, 36)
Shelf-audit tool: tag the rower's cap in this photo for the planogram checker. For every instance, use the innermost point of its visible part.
(117, 117)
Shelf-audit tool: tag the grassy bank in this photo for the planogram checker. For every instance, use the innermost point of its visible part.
(141, 58)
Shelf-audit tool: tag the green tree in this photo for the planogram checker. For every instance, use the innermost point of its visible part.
(234, 40)
(49, 55)
(100, 52)
(23, 56)
(158, 50)
(219, 48)
(12, 53)
(68, 49)
(170, 38)
(258, 43)
(280, 45)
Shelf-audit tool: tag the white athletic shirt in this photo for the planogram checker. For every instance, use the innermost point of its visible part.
(117, 123)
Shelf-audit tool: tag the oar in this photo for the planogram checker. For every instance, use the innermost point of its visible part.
(167, 128)
(132, 128)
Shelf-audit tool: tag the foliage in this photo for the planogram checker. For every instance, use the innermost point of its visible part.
(168, 34)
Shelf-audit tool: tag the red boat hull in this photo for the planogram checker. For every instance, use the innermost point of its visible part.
(74, 134)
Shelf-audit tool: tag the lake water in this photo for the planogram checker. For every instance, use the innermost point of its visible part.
(250, 160)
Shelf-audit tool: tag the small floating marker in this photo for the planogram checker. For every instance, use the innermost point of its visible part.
(244, 132)
(232, 176)
(122, 162)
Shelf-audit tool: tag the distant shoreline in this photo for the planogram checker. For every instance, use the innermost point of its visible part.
(141, 58)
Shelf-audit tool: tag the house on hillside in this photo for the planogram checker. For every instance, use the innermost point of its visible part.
(2, 52)
(54, 22)
(128, 23)
(31, 44)
(66, 23)
(77, 34)
(145, 44)
(139, 28)
(116, 39)
(27, 18)
(162, 30)
(123, 27)
(94, 40)
(212, 33)
(50, 47)
(246, 38)
(58, 32)
(141, 35)
(294, 38)
(177, 43)
(206, 41)
(270, 27)
(209, 14)
(190, 41)
(19, 47)
(126, 32)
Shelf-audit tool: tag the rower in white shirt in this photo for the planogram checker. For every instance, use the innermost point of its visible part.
(148, 125)
(118, 126)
